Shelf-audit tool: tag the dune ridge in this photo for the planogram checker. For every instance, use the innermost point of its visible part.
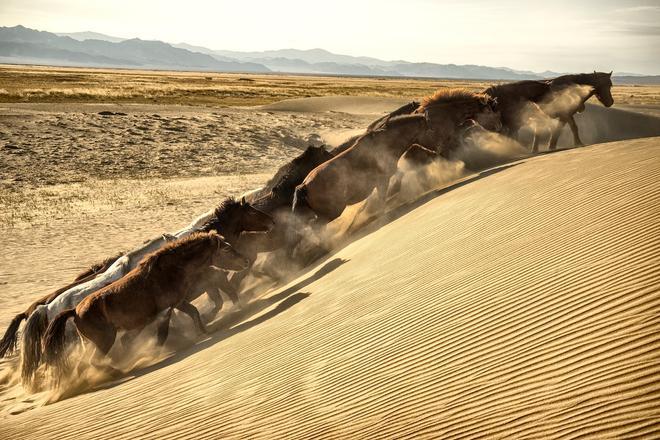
(521, 303)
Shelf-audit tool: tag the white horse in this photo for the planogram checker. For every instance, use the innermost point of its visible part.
(37, 323)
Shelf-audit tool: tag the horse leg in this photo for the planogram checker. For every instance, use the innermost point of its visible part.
(222, 283)
(537, 138)
(164, 328)
(574, 129)
(103, 338)
(555, 135)
(191, 311)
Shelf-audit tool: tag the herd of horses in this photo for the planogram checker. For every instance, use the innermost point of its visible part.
(213, 254)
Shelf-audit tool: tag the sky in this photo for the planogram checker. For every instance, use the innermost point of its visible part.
(556, 35)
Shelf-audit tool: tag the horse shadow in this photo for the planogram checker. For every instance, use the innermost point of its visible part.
(232, 324)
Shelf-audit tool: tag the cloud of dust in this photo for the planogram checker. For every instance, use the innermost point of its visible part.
(337, 137)
(139, 351)
(481, 149)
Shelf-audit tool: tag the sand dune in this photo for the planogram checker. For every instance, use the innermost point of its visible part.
(522, 302)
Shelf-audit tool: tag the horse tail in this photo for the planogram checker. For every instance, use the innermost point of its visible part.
(53, 341)
(35, 327)
(299, 199)
(8, 342)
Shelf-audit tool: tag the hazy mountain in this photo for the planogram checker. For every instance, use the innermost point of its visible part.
(311, 56)
(82, 36)
(20, 44)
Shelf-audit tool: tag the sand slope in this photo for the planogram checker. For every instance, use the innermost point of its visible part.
(521, 303)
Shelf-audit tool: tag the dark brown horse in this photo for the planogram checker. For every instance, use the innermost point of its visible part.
(518, 102)
(597, 83)
(161, 282)
(559, 98)
(231, 219)
(8, 342)
(277, 202)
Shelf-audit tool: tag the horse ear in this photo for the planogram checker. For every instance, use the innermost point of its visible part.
(242, 200)
(611, 71)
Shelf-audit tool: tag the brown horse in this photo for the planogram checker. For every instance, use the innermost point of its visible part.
(231, 217)
(8, 342)
(351, 176)
(161, 282)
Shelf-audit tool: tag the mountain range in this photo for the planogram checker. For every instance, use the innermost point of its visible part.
(21, 45)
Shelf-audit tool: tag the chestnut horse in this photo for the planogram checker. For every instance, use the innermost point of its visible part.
(231, 217)
(351, 176)
(163, 281)
(451, 111)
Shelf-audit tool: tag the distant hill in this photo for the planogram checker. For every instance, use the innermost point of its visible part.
(19, 44)
(637, 79)
(82, 36)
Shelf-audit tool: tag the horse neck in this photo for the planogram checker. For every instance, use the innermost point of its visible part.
(195, 255)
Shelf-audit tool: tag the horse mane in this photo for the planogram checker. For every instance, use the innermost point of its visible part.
(451, 96)
(289, 169)
(226, 205)
(184, 247)
(592, 79)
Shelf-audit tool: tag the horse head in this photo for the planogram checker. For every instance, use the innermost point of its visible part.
(225, 256)
(254, 220)
(603, 88)
(489, 116)
(233, 217)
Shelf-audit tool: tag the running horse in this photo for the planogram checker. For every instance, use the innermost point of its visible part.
(597, 83)
(161, 282)
(231, 218)
(560, 98)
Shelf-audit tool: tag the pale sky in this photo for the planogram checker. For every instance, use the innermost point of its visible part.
(558, 35)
